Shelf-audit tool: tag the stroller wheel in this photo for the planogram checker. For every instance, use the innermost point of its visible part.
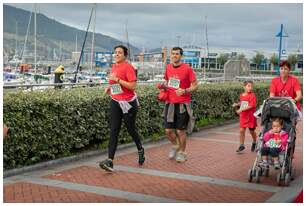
(261, 171)
(257, 176)
(292, 174)
(278, 178)
(250, 175)
(254, 173)
(287, 179)
(266, 172)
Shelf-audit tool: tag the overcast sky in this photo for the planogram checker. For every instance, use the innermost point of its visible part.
(247, 26)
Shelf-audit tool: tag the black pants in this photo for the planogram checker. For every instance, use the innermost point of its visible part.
(115, 120)
(274, 152)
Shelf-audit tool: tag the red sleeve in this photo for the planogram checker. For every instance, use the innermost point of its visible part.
(166, 74)
(252, 100)
(273, 86)
(131, 74)
(296, 85)
(192, 76)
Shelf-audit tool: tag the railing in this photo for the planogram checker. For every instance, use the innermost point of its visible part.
(31, 87)
(254, 78)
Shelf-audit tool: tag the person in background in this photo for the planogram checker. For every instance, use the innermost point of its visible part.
(58, 76)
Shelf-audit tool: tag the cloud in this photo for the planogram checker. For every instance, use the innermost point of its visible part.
(247, 26)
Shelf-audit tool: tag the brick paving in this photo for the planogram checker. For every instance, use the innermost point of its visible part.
(190, 191)
(23, 192)
(211, 156)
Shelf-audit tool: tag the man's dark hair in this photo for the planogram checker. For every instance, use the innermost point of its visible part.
(178, 48)
(125, 49)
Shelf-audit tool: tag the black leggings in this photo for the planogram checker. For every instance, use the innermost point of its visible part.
(115, 120)
(274, 152)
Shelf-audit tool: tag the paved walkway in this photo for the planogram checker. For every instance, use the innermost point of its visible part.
(213, 173)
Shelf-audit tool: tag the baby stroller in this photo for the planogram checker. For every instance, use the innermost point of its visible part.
(281, 107)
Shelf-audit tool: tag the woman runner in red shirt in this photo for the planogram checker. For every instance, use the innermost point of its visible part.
(123, 105)
(286, 85)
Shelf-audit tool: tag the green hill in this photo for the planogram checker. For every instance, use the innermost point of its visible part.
(50, 34)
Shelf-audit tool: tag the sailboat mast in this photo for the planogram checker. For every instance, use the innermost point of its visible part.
(60, 58)
(76, 43)
(81, 53)
(26, 37)
(127, 41)
(16, 39)
(93, 39)
(35, 67)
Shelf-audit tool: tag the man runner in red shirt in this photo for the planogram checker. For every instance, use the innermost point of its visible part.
(181, 81)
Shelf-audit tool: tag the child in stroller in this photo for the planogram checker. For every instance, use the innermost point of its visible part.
(282, 108)
(275, 141)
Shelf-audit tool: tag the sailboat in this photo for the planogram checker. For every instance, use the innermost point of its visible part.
(90, 76)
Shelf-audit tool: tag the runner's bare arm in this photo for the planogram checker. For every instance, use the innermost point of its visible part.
(193, 87)
(128, 85)
(298, 96)
(247, 108)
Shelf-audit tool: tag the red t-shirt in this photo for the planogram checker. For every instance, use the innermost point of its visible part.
(247, 119)
(125, 72)
(180, 77)
(287, 89)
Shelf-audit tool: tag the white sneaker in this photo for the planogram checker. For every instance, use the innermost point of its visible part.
(173, 151)
(181, 157)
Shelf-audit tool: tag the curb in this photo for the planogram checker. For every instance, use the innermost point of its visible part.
(288, 194)
(84, 155)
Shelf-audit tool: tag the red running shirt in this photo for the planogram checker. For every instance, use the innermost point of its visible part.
(180, 77)
(287, 89)
(247, 119)
(125, 72)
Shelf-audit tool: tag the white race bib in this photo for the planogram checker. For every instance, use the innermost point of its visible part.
(244, 104)
(116, 89)
(271, 144)
(174, 83)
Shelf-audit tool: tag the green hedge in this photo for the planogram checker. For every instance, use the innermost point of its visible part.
(56, 123)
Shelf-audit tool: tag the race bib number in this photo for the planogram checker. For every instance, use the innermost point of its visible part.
(116, 89)
(243, 105)
(174, 83)
(271, 143)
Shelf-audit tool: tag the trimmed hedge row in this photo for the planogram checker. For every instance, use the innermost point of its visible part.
(56, 123)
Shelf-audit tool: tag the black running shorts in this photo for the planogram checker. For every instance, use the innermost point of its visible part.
(180, 120)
